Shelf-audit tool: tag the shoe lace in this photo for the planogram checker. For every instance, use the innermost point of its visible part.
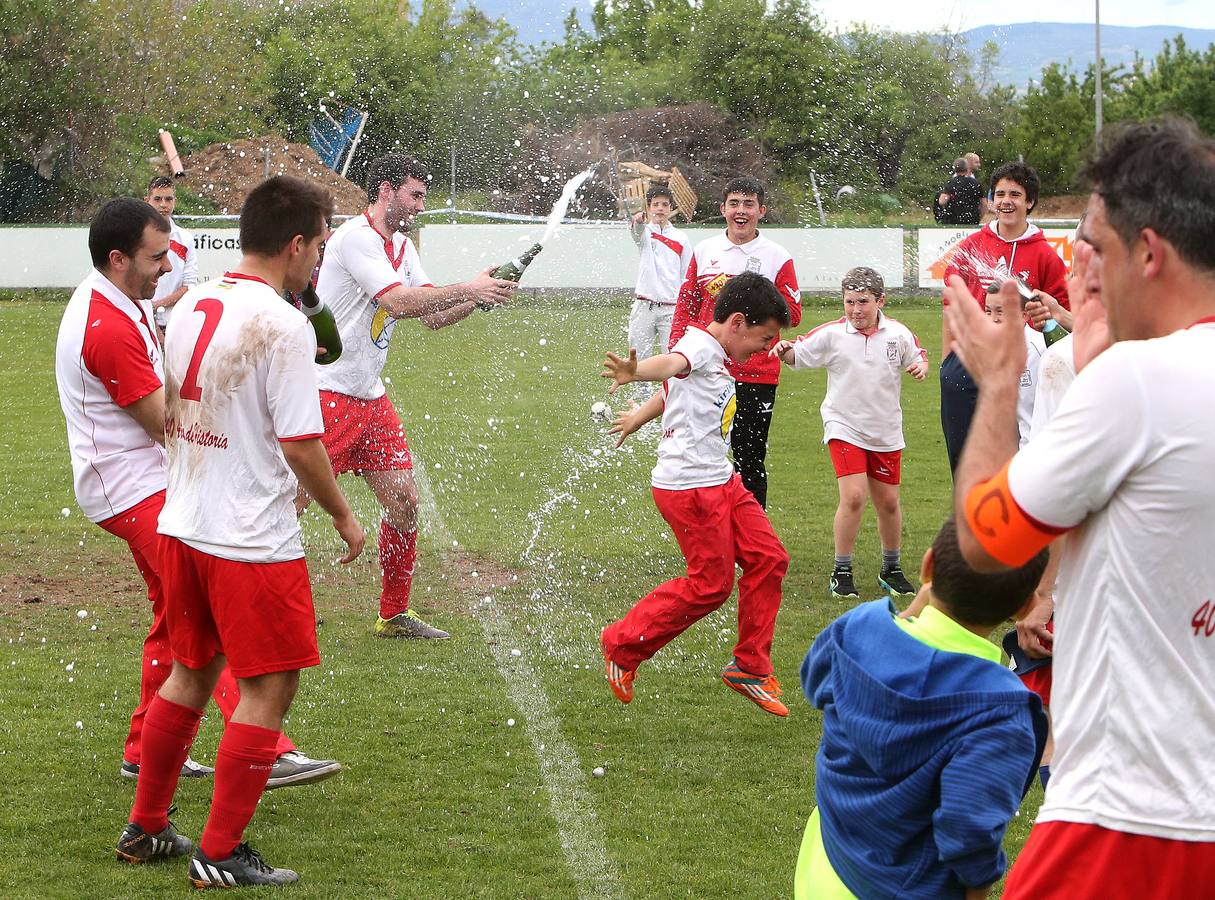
(169, 816)
(250, 857)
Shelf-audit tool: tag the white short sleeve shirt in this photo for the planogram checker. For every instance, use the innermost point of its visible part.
(1128, 458)
(864, 379)
(360, 266)
(239, 363)
(697, 418)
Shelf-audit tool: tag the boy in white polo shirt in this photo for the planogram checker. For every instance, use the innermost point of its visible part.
(865, 353)
(665, 254)
(716, 520)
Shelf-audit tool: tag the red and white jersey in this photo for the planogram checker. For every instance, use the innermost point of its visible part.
(360, 266)
(1126, 461)
(107, 356)
(864, 379)
(184, 259)
(714, 262)
(240, 376)
(697, 417)
(665, 256)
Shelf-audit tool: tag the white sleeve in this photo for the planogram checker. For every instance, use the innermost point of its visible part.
(1056, 372)
(1073, 466)
(417, 276)
(912, 351)
(813, 350)
(698, 352)
(363, 256)
(295, 406)
(685, 259)
(189, 272)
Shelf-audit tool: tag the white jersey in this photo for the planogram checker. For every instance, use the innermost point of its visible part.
(1127, 458)
(697, 418)
(1056, 372)
(864, 379)
(107, 356)
(665, 254)
(1035, 348)
(185, 263)
(360, 266)
(239, 361)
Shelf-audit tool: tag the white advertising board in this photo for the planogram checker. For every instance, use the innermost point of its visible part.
(938, 245)
(579, 256)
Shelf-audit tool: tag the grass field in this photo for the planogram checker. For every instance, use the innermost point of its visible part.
(468, 766)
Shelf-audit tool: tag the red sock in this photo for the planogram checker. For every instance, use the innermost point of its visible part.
(398, 553)
(168, 732)
(242, 766)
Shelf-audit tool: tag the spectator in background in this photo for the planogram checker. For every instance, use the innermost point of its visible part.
(960, 199)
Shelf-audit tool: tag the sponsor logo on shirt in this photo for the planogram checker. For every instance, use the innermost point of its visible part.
(381, 328)
(727, 402)
(713, 286)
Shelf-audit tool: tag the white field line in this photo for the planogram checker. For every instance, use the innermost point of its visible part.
(570, 802)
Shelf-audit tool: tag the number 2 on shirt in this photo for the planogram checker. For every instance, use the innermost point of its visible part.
(212, 309)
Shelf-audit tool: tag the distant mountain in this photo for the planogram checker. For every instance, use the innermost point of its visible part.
(1028, 47)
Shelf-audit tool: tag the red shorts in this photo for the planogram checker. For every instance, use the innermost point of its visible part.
(850, 459)
(258, 615)
(363, 435)
(1070, 861)
(1039, 681)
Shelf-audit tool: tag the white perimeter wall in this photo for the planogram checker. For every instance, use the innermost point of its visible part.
(580, 256)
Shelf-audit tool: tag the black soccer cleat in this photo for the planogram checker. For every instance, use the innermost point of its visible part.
(842, 587)
(137, 846)
(895, 583)
(245, 867)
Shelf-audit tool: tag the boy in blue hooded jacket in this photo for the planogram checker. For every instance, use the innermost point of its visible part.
(929, 743)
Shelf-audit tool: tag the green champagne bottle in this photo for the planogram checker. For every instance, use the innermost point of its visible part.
(323, 324)
(1052, 331)
(513, 270)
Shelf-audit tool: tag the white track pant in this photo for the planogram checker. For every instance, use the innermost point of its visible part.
(649, 322)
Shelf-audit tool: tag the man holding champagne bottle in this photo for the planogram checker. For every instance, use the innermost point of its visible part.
(371, 276)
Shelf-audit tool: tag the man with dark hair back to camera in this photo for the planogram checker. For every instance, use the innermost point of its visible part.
(370, 278)
(960, 197)
(109, 371)
(741, 248)
(1125, 464)
(243, 425)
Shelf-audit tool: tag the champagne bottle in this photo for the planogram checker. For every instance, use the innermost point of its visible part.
(1052, 331)
(513, 270)
(323, 324)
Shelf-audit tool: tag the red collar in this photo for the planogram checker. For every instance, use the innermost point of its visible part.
(1205, 320)
(241, 276)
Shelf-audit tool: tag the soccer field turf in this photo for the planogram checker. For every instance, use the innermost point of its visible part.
(468, 764)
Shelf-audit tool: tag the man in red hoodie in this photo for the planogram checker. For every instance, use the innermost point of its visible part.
(717, 259)
(1007, 247)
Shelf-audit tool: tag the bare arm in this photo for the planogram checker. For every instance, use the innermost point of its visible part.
(637, 227)
(419, 302)
(171, 299)
(629, 421)
(435, 321)
(149, 412)
(655, 368)
(310, 463)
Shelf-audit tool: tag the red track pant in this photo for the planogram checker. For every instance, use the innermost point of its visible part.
(137, 526)
(716, 527)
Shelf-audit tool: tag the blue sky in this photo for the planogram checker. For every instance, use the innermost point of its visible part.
(930, 15)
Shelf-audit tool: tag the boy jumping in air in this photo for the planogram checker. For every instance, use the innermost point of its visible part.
(865, 353)
(717, 521)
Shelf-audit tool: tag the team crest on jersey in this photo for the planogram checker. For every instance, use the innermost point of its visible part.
(713, 286)
(381, 328)
(753, 264)
(892, 351)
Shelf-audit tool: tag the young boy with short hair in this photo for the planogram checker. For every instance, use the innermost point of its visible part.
(928, 744)
(665, 254)
(865, 353)
(717, 521)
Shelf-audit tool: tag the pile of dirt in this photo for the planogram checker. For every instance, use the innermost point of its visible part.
(225, 173)
(1064, 206)
(705, 143)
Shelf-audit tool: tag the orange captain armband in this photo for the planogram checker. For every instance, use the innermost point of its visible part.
(1001, 526)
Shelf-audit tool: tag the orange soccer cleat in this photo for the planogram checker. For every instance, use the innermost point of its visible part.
(762, 690)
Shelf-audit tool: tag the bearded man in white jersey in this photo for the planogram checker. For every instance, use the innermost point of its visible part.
(372, 277)
(243, 426)
(1124, 465)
